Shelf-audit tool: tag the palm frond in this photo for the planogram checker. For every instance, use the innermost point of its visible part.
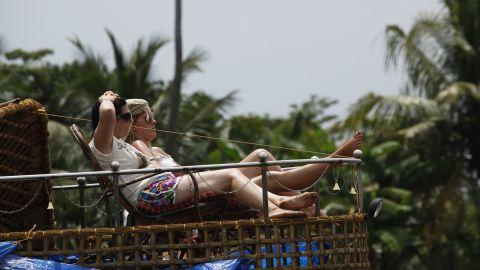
(192, 62)
(395, 43)
(143, 58)
(421, 51)
(382, 115)
(86, 52)
(424, 58)
(117, 52)
(220, 104)
(95, 76)
(420, 131)
(457, 91)
(358, 114)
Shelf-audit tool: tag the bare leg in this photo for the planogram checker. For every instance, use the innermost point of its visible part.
(304, 176)
(251, 172)
(248, 193)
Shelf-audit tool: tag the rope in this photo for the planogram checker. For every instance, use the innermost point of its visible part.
(94, 204)
(29, 235)
(100, 210)
(298, 190)
(207, 137)
(26, 205)
(357, 196)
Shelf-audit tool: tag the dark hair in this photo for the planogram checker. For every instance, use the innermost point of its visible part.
(118, 103)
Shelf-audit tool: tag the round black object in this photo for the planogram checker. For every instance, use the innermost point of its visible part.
(374, 208)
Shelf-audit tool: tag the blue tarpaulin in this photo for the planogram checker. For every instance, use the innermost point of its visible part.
(240, 264)
(237, 264)
(14, 262)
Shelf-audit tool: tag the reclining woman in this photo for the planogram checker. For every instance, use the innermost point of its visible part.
(143, 133)
(111, 123)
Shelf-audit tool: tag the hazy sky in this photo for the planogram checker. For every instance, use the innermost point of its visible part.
(275, 52)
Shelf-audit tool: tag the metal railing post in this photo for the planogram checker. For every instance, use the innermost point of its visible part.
(116, 193)
(316, 189)
(263, 158)
(81, 194)
(268, 233)
(358, 154)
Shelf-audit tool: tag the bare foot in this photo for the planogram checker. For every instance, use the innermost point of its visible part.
(298, 202)
(282, 213)
(309, 211)
(346, 150)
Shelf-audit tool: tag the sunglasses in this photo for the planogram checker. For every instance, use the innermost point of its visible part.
(127, 117)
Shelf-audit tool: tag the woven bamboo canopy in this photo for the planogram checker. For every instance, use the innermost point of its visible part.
(320, 243)
(24, 150)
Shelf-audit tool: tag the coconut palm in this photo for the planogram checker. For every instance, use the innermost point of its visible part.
(175, 93)
(434, 119)
(439, 49)
(133, 77)
(439, 164)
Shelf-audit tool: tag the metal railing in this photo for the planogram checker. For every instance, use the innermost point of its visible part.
(116, 172)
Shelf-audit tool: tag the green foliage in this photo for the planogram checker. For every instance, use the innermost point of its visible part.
(27, 56)
(422, 146)
(301, 130)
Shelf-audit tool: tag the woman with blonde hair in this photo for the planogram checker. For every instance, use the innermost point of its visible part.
(143, 133)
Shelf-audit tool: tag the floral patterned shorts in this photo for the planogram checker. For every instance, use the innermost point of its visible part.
(161, 192)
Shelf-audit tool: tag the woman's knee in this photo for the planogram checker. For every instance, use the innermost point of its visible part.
(257, 152)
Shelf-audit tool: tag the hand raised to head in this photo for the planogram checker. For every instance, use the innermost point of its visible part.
(108, 95)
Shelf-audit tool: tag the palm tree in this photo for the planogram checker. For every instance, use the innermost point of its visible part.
(175, 93)
(439, 49)
(133, 76)
(434, 118)
(441, 53)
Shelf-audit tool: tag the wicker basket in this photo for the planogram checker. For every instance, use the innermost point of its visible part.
(314, 243)
(24, 150)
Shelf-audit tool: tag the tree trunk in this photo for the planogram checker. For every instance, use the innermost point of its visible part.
(175, 95)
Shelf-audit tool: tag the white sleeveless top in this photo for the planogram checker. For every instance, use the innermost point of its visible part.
(129, 158)
(165, 161)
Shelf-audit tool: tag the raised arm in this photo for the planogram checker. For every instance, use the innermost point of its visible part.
(103, 134)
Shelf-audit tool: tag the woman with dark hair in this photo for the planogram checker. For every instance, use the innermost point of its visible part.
(112, 122)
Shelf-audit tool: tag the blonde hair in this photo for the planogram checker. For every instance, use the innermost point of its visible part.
(138, 106)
